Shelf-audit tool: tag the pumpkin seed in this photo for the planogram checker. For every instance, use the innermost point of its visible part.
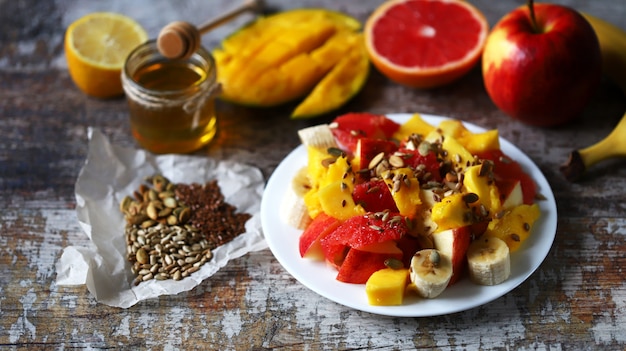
(470, 198)
(394, 263)
(158, 247)
(152, 211)
(170, 202)
(335, 152)
(172, 220)
(434, 257)
(184, 215)
(125, 204)
(424, 148)
(396, 161)
(142, 256)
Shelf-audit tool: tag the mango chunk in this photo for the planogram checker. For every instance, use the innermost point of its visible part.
(315, 165)
(451, 212)
(415, 124)
(340, 170)
(336, 201)
(312, 202)
(457, 154)
(405, 190)
(327, 55)
(477, 143)
(483, 186)
(514, 226)
(322, 173)
(453, 128)
(386, 287)
(298, 72)
(474, 143)
(305, 38)
(334, 192)
(345, 79)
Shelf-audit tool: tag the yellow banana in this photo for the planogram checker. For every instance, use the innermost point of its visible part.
(613, 47)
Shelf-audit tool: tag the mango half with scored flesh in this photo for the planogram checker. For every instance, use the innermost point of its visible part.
(315, 54)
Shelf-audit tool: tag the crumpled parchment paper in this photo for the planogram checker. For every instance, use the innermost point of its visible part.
(112, 172)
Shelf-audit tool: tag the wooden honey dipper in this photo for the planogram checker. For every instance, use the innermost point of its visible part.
(179, 40)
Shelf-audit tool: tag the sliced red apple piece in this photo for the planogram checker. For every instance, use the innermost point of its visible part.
(454, 243)
(309, 242)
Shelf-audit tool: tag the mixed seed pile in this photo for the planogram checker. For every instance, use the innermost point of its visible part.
(172, 228)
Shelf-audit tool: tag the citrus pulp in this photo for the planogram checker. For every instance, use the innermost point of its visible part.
(96, 46)
(425, 43)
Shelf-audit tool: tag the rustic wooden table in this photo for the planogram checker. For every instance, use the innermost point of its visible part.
(575, 300)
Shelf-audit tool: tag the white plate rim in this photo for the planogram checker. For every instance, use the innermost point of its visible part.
(282, 240)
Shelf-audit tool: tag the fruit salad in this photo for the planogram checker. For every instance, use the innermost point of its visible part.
(409, 208)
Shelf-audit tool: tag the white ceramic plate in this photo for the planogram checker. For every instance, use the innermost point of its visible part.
(317, 276)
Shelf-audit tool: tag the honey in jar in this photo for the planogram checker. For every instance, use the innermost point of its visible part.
(171, 102)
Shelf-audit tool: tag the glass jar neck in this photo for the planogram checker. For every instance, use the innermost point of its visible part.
(149, 76)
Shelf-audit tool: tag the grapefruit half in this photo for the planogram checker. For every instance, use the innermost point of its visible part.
(425, 43)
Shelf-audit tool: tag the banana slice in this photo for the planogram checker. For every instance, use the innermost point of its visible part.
(293, 208)
(295, 212)
(300, 184)
(319, 136)
(430, 272)
(489, 261)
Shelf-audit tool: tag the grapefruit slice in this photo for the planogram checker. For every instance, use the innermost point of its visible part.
(425, 43)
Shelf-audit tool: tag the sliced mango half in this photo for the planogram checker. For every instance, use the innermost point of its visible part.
(317, 55)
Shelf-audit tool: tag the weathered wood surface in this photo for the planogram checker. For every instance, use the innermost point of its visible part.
(576, 300)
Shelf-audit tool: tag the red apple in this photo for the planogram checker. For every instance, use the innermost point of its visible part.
(542, 66)
(507, 170)
(454, 243)
(309, 242)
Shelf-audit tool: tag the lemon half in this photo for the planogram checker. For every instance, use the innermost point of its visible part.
(96, 46)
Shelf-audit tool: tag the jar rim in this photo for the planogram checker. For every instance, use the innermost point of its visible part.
(148, 53)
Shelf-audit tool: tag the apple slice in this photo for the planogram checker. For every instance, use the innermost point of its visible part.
(506, 169)
(309, 242)
(511, 194)
(454, 243)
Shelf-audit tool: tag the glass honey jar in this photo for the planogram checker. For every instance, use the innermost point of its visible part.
(171, 102)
